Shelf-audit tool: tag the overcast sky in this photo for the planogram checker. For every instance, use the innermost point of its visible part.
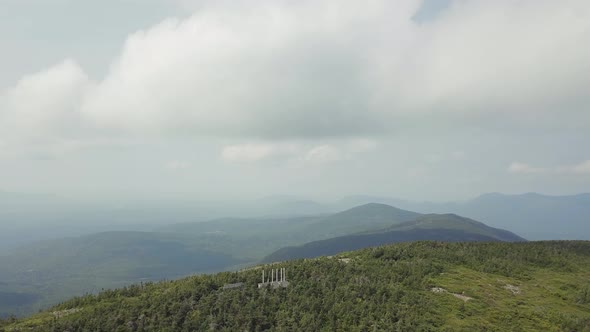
(440, 100)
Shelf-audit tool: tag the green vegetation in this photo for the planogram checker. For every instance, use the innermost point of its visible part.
(492, 286)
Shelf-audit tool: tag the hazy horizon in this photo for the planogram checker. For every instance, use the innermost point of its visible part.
(278, 197)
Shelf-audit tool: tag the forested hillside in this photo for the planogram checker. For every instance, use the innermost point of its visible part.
(499, 286)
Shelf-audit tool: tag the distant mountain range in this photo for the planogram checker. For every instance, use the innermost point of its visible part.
(26, 218)
(362, 218)
(532, 215)
(440, 227)
(256, 237)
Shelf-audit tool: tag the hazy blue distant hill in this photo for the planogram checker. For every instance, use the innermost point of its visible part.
(257, 237)
(26, 218)
(241, 226)
(447, 227)
(357, 200)
(248, 238)
(290, 206)
(534, 216)
(93, 252)
(361, 218)
(47, 272)
(30, 217)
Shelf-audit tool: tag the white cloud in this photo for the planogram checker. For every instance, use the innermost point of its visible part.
(324, 153)
(522, 168)
(458, 155)
(418, 172)
(176, 165)
(297, 152)
(246, 152)
(433, 158)
(582, 168)
(45, 103)
(273, 70)
(280, 70)
(362, 145)
(494, 64)
(252, 152)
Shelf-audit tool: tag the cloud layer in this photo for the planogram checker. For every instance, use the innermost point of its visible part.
(311, 97)
(297, 153)
(313, 69)
(582, 168)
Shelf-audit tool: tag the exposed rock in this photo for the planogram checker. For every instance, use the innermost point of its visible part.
(514, 289)
(63, 313)
(459, 296)
(462, 297)
(438, 290)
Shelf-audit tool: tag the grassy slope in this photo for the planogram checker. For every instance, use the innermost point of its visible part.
(544, 297)
(385, 288)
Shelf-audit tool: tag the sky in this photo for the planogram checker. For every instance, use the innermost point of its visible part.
(200, 99)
